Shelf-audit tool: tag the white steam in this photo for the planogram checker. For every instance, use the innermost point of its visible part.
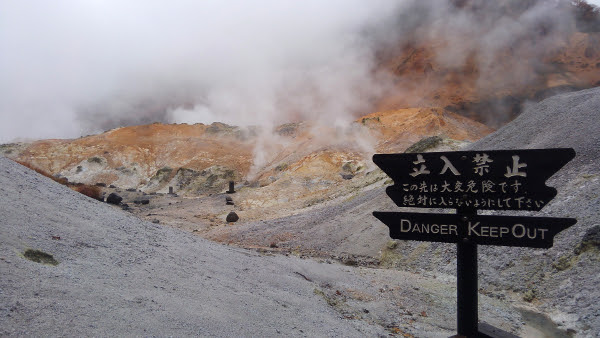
(75, 67)
(70, 67)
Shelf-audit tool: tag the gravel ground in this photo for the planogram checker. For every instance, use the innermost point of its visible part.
(121, 276)
(561, 282)
(565, 278)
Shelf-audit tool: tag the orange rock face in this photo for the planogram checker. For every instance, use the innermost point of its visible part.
(488, 87)
(149, 157)
(140, 151)
(398, 129)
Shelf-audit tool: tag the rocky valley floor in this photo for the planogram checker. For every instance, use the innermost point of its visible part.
(119, 275)
(321, 266)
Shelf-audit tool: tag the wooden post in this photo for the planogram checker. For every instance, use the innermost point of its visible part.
(467, 316)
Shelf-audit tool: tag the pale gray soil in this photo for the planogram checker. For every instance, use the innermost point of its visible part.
(121, 276)
(566, 280)
(563, 281)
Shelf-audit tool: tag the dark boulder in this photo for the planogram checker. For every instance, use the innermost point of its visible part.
(114, 199)
(232, 217)
(229, 200)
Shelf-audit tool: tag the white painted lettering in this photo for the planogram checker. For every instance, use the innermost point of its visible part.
(448, 165)
(514, 171)
(503, 230)
(444, 229)
(518, 230)
(494, 231)
(485, 231)
(543, 232)
(404, 222)
(529, 233)
(435, 228)
(453, 229)
(472, 228)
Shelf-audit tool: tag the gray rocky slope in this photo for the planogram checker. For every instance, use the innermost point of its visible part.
(566, 278)
(563, 281)
(119, 275)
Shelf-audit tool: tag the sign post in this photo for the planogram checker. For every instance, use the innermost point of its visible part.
(469, 181)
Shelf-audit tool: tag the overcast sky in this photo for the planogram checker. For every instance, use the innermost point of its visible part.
(73, 67)
(69, 67)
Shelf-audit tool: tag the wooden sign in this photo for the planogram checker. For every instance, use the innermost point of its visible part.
(533, 232)
(483, 180)
(469, 181)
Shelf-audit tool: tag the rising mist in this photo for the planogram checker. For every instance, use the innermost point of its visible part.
(71, 68)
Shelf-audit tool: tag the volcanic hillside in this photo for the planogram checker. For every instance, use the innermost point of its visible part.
(562, 281)
(198, 159)
(439, 68)
(307, 188)
(487, 73)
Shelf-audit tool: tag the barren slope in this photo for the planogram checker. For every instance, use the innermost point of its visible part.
(489, 86)
(563, 280)
(120, 276)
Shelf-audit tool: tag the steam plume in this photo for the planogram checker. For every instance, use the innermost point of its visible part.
(75, 67)
(72, 67)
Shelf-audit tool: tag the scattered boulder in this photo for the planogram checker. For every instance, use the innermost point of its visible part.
(131, 189)
(112, 186)
(125, 206)
(347, 176)
(229, 200)
(114, 199)
(232, 217)
(100, 184)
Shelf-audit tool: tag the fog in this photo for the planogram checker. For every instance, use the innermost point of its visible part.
(76, 67)
(71, 68)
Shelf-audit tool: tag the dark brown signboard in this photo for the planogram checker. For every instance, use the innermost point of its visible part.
(483, 180)
(533, 232)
